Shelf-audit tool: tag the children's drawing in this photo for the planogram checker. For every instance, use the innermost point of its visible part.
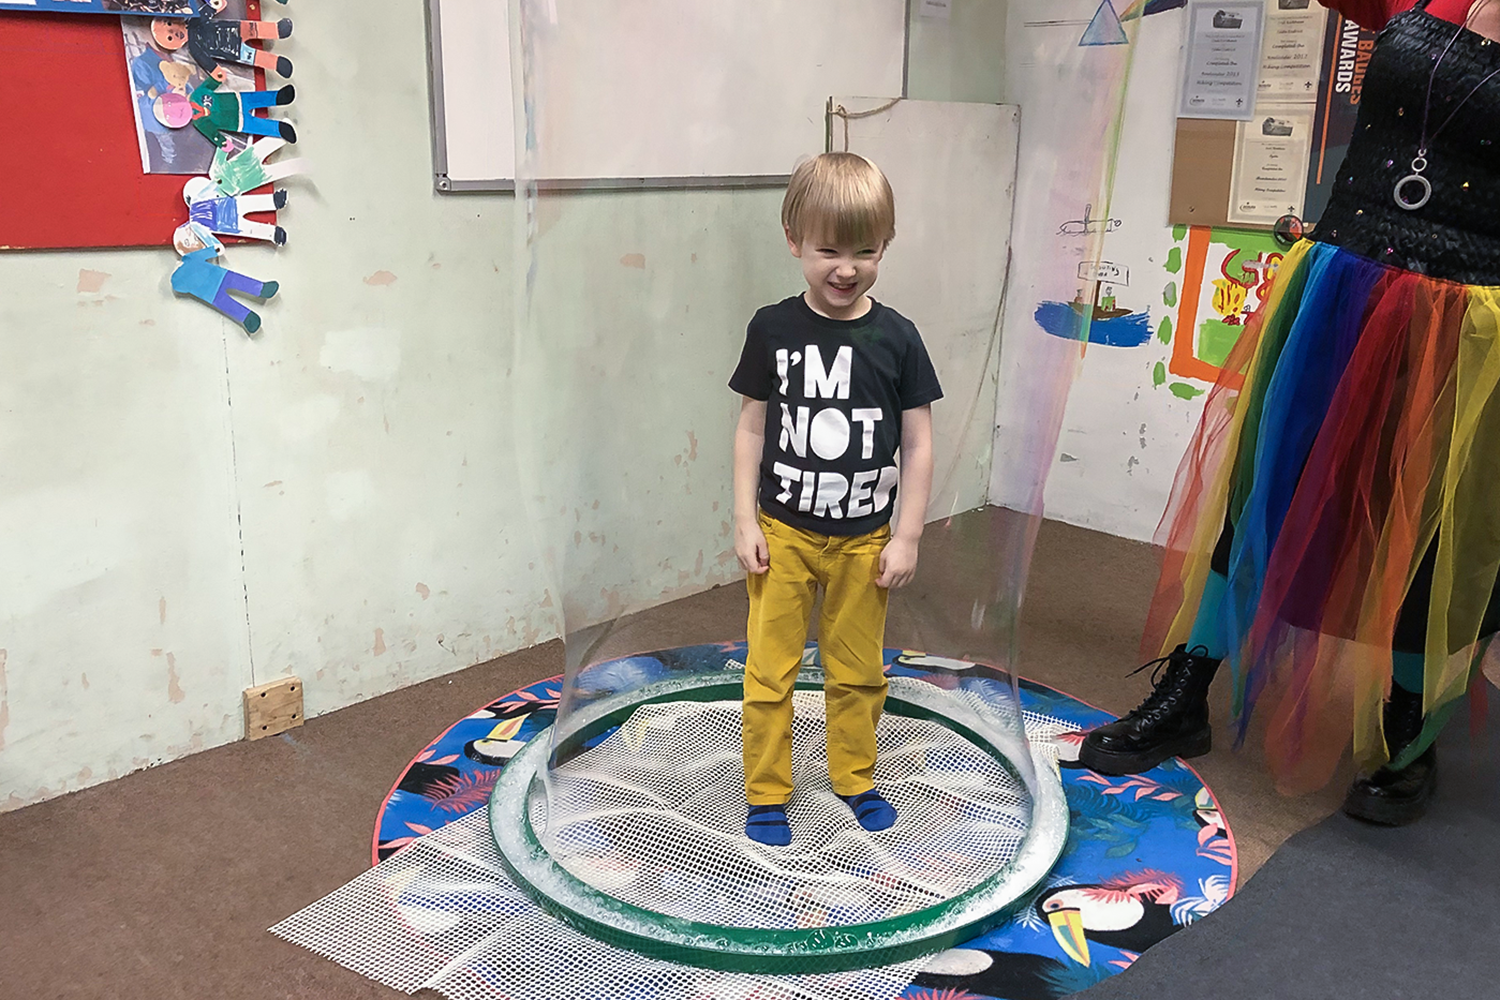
(224, 214)
(1110, 323)
(206, 281)
(159, 64)
(212, 41)
(1225, 277)
(247, 169)
(1105, 28)
(1088, 225)
(1215, 286)
(218, 112)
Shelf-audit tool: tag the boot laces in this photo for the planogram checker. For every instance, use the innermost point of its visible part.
(1403, 719)
(1165, 670)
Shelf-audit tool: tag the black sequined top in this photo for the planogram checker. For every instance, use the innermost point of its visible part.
(1456, 235)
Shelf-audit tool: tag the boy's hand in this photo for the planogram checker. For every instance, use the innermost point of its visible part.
(898, 563)
(750, 545)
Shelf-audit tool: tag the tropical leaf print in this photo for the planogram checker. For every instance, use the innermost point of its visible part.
(1217, 848)
(1071, 979)
(1109, 819)
(1212, 892)
(1137, 787)
(464, 793)
(527, 700)
(951, 993)
(425, 757)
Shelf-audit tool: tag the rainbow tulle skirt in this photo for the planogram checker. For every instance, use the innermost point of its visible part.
(1345, 477)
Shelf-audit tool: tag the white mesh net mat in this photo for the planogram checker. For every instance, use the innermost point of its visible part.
(655, 817)
(443, 913)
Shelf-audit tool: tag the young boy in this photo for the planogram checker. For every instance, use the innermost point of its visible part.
(833, 383)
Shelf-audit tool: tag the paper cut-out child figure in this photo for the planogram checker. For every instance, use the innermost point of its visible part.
(211, 42)
(216, 112)
(236, 173)
(208, 282)
(217, 212)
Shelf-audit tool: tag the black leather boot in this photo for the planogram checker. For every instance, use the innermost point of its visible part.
(1171, 722)
(1389, 797)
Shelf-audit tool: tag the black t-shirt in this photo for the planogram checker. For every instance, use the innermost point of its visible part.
(834, 390)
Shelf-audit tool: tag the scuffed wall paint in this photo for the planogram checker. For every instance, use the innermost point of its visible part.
(4, 700)
(185, 511)
(117, 529)
(141, 432)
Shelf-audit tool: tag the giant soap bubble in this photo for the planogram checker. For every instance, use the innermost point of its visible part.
(648, 242)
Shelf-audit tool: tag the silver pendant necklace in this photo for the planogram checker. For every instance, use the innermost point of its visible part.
(1419, 162)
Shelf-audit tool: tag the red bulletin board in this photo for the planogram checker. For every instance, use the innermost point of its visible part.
(70, 163)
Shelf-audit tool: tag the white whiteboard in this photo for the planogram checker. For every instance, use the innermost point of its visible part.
(473, 118)
(654, 92)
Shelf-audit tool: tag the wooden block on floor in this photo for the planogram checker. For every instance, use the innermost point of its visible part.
(273, 708)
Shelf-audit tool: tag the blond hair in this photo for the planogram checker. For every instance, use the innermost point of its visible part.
(842, 198)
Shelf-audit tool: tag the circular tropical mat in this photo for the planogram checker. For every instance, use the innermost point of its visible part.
(1146, 855)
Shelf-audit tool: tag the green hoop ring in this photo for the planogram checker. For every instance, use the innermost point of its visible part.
(757, 950)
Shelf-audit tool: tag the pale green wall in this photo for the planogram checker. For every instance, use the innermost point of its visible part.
(185, 511)
(959, 59)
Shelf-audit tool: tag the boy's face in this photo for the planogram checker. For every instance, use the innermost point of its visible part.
(837, 276)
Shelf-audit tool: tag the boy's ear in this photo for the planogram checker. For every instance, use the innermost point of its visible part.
(792, 244)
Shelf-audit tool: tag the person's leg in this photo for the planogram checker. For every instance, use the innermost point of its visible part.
(1173, 720)
(235, 310)
(234, 281)
(251, 125)
(1398, 793)
(262, 231)
(263, 148)
(851, 634)
(281, 170)
(266, 29)
(781, 602)
(1209, 633)
(168, 143)
(1407, 670)
(255, 100)
(268, 61)
(256, 203)
(161, 150)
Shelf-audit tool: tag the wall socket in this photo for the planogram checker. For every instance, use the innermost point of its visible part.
(273, 708)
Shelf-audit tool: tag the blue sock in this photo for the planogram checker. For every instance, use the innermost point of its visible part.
(871, 809)
(1208, 627)
(768, 825)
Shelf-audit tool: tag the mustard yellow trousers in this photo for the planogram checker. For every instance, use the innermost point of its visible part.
(851, 633)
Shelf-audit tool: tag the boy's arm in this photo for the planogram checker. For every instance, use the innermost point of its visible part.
(898, 561)
(749, 440)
